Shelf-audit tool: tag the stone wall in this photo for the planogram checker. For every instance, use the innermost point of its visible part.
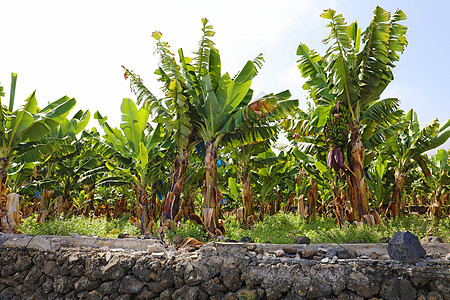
(215, 271)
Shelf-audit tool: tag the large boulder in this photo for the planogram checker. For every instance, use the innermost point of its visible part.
(405, 246)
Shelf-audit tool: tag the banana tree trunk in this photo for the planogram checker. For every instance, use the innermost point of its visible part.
(400, 178)
(247, 196)
(213, 196)
(357, 178)
(312, 200)
(172, 203)
(10, 216)
(142, 199)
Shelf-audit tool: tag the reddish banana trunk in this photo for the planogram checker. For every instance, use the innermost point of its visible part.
(213, 196)
(400, 178)
(312, 200)
(358, 185)
(247, 197)
(172, 203)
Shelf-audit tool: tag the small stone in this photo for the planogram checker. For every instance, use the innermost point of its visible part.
(374, 255)
(334, 260)
(246, 239)
(343, 254)
(447, 256)
(123, 235)
(307, 254)
(331, 253)
(434, 296)
(279, 253)
(432, 239)
(251, 247)
(302, 240)
(364, 257)
(156, 248)
(384, 239)
(325, 260)
(421, 264)
(290, 250)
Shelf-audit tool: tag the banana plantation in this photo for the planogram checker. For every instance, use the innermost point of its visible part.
(208, 149)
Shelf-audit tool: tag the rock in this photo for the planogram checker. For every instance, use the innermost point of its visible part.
(246, 239)
(7, 293)
(279, 253)
(47, 286)
(405, 247)
(347, 295)
(343, 254)
(331, 253)
(50, 268)
(447, 256)
(325, 260)
(62, 284)
(145, 294)
(290, 250)
(246, 293)
(317, 289)
(113, 270)
(156, 248)
(84, 284)
(334, 260)
(441, 286)
(94, 295)
(109, 287)
(374, 255)
(406, 290)
(123, 235)
(307, 254)
(434, 296)
(363, 285)
(23, 264)
(231, 278)
(431, 239)
(130, 284)
(390, 288)
(421, 264)
(302, 240)
(213, 286)
(384, 239)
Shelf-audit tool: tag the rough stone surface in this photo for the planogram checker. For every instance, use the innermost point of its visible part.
(405, 247)
(302, 240)
(220, 271)
(130, 284)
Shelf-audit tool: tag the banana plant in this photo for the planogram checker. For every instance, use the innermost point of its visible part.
(135, 152)
(408, 148)
(440, 174)
(29, 123)
(345, 86)
(211, 107)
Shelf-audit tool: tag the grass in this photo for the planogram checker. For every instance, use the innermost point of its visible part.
(80, 225)
(280, 229)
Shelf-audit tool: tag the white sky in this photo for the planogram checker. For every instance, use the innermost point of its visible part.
(76, 48)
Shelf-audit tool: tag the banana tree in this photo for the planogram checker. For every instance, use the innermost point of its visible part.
(134, 152)
(26, 124)
(345, 86)
(408, 148)
(440, 174)
(211, 107)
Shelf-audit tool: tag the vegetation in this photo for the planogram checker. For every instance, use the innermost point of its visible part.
(205, 159)
(280, 228)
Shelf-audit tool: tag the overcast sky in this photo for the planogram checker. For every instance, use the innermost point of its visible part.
(76, 48)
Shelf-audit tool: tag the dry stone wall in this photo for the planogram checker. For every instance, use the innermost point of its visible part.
(215, 271)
